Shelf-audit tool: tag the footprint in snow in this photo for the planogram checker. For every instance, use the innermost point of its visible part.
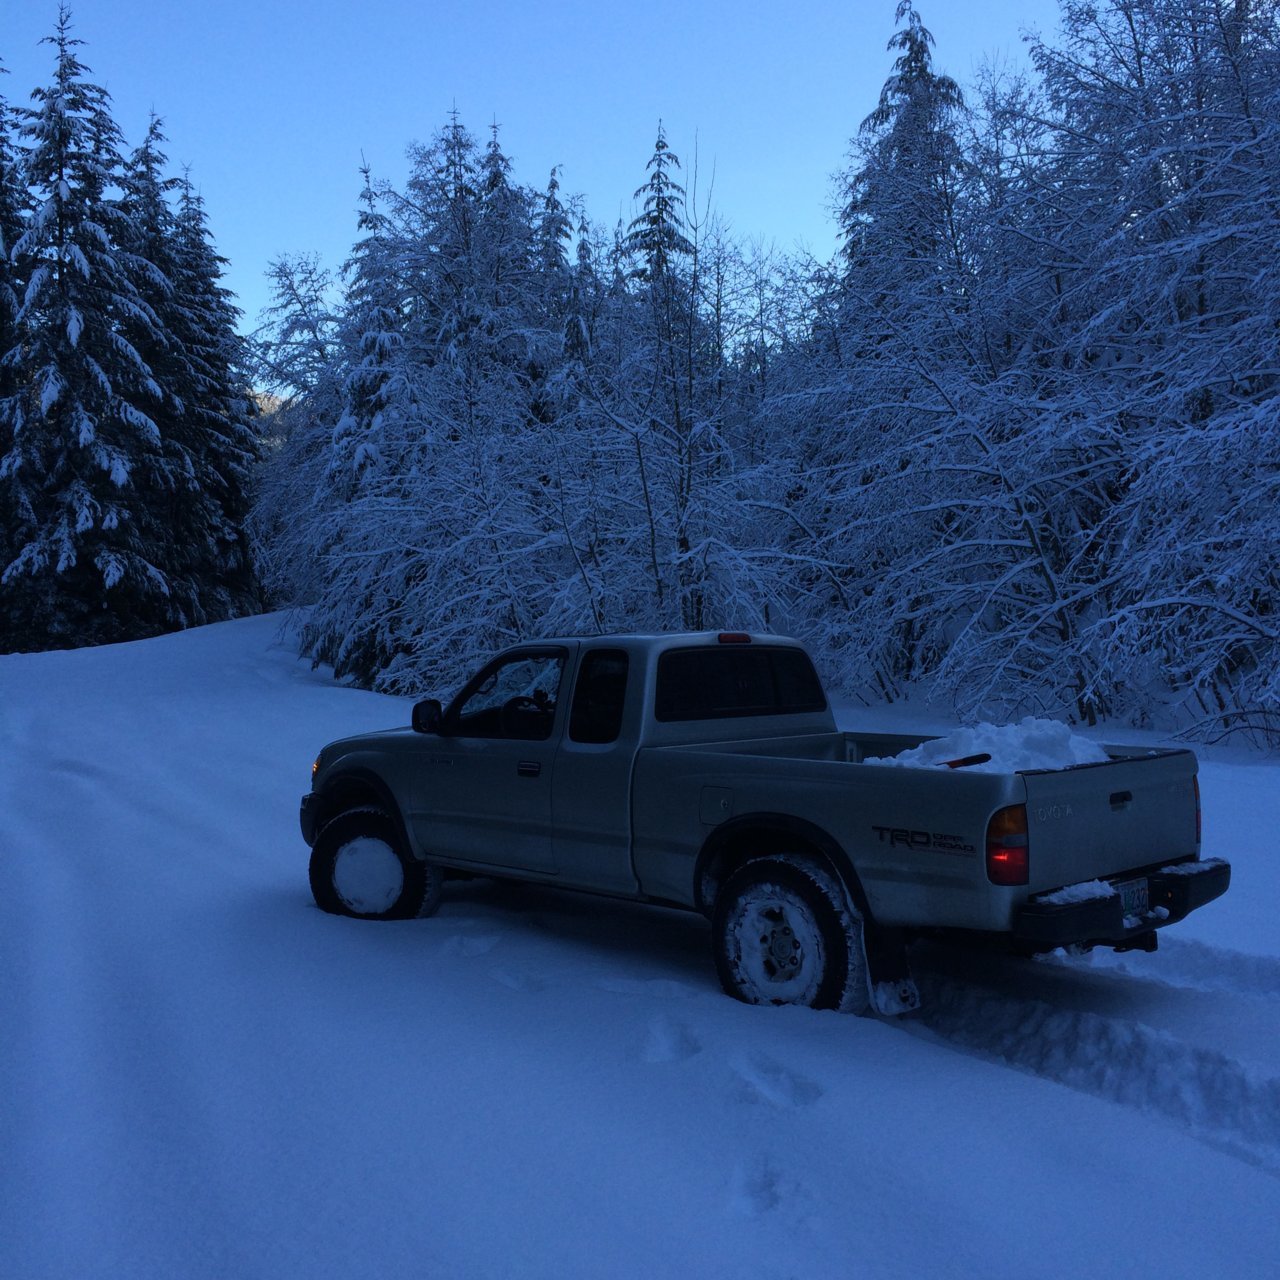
(647, 987)
(770, 1081)
(669, 1041)
(516, 981)
(470, 947)
(754, 1189)
(82, 769)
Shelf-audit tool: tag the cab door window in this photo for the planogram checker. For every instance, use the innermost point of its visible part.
(513, 697)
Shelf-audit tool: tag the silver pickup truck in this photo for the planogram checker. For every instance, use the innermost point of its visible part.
(706, 771)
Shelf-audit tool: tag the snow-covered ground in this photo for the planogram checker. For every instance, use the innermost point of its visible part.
(203, 1075)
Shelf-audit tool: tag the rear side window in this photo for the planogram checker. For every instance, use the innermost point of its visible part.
(596, 715)
(716, 684)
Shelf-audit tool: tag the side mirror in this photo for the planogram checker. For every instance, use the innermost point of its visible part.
(428, 716)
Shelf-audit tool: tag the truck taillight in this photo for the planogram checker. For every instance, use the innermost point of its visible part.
(1195, 782)
(1007, 851)
(734, 637)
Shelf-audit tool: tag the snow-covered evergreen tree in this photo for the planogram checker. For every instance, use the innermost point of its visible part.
(14, 210)
(218, 425)
(84, 450)
(374, 318)
(887, 366)
(658, 398)
(656, 235)
(171, 513)
(555, 228)
(899, 214)
(372, 444)
(298, 362)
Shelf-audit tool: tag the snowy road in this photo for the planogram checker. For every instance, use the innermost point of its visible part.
(203, 1075)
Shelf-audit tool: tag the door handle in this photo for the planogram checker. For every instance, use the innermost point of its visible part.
(528, 768)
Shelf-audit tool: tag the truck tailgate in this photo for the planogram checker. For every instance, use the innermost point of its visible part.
(1099, 821)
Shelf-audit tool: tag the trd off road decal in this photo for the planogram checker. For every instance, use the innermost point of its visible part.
(928, 841)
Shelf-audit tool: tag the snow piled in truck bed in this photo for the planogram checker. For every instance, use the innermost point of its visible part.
(1086, 891)
(202, 1075)
(1031, 744)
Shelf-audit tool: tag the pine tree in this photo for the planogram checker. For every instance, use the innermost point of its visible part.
(552, 237)
(583, 300)
(504, 213)
(299, 361)
(84, 448)
(218, 426)
(900, 206)
(889, 311)
(371, 445)
(374, 322)
(656, 235)
(657, 379)
(168, 515)
(14, 210)
(555, 228)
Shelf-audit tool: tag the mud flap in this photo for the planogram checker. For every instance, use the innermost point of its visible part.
(892, 988)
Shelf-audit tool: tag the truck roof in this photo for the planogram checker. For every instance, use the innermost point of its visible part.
(670, 639)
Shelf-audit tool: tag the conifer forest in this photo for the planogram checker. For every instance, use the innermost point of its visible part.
(1016, 446)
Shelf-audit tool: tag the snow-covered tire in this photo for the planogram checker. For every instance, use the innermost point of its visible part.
(784, 932)
(360, 868)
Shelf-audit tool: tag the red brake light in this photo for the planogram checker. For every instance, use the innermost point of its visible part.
(1008, 857)
(734, 637)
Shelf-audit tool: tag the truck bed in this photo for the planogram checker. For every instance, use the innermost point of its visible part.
(917, 836)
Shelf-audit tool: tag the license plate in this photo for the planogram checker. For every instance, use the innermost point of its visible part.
(1133, 897)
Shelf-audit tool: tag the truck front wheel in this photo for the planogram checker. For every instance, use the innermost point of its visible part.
(360, 868)
(783, 933)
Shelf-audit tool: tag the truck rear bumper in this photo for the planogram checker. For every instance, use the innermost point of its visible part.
(1173, 892)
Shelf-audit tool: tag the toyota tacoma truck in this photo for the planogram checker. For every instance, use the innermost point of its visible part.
(706, 771)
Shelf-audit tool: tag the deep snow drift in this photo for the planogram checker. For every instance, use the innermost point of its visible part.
(203, 1075)
(1002, 748)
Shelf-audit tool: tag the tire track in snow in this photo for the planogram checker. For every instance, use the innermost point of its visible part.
(1219, 1099)
(1188, 963)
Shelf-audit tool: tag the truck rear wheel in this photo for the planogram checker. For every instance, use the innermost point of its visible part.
(783, 933)
(360, 868)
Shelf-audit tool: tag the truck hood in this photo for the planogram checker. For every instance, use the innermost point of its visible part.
(376, 741)
(340, 746)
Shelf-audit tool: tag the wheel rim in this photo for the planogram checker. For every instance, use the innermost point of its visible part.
(367, 876)
(781, 952)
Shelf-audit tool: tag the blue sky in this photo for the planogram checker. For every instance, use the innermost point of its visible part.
(273, 102)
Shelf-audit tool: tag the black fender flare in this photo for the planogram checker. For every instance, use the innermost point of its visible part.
(759, 834)
(356, 788)
(749, 834)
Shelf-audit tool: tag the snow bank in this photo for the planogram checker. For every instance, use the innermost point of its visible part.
(1031, 744)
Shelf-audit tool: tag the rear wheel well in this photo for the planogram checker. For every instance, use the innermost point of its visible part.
(754, 836)
(748, 838)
